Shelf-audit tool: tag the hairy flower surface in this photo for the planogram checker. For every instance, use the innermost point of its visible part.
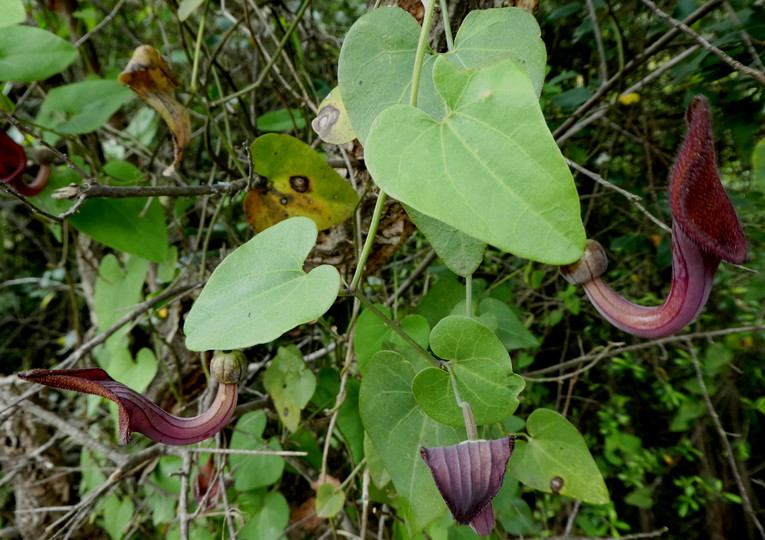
(705, 230)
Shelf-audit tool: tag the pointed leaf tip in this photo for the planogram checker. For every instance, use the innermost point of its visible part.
(699, 203)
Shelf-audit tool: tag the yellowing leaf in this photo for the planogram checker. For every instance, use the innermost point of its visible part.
(148, 75)
(298, 183)
(290, 384)
(332, 123)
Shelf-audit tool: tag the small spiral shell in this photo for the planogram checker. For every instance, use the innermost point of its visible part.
(228, 367)
(592, 265)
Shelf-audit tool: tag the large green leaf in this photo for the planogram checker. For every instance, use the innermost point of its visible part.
(398, 428)
(125, 224)
(492, 156)
(556, 450)
(461, 253)
(377, 58)
(28, 53)
(254, 471)
(82, 107)
(482, 368)
(290, 384)
(260, 290)
(375, 66)
(267, 515)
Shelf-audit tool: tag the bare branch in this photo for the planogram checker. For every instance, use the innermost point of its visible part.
(735, 64)
(729, 455)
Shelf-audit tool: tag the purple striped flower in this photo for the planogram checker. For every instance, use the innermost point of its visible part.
(468, 476)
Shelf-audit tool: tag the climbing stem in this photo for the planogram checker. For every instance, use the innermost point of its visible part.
(427, 22)
(369, 241)
(393, 325)
(469, 296)
(416, 72)
(198, 49)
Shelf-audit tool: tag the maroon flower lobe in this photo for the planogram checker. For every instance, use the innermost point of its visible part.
(468, 476)
(698, 200)
(13, 160)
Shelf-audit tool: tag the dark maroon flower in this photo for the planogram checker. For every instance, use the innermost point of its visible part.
(13, 163)
(468, 476)
(705, 230)
(137, 413)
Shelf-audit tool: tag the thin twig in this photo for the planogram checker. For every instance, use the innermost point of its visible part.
(729, 455)
(636, 536)
(629, 67)
(104, 22)
(230, 451)
(747, 39)
(86, 347)
(602, 67)
(90, 190)
(183, 500)
(412, 278)
(13, 193)
(732, 62)
(616, 351)
(630, 196)
(63, 157)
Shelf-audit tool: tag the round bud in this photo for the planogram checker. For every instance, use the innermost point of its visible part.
(228, 367)
(592, 265)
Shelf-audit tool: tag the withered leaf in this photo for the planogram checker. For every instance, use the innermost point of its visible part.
(148, 75)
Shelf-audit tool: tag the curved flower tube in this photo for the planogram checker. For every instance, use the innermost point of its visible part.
(13, 163)
(705, 230)
(139, 414)
(468, 476)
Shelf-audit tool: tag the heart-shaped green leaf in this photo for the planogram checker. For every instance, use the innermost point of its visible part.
(260, 290)
(254, 471)
(481, 367)
(490, 169)
(398, 427)
(329, 501)
(266, 515)
(290, 385)
(377, 58)
(557, 456)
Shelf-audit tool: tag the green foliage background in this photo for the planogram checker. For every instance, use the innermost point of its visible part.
(639, 404)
